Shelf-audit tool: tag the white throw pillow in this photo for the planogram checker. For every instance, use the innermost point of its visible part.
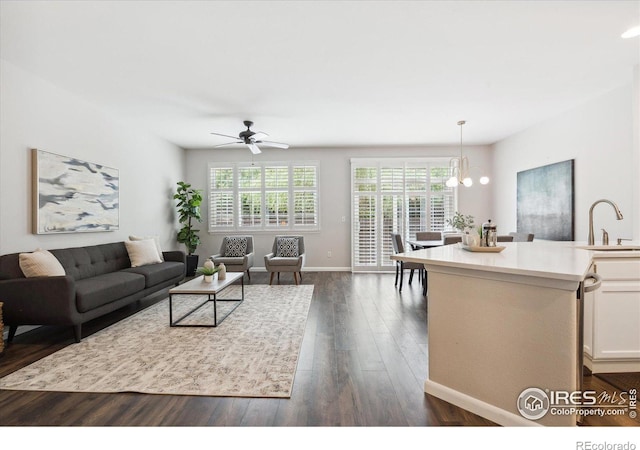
(40, 263)
(142, 252)
(156, 239)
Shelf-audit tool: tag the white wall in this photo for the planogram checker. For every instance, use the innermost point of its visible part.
(37, 114)
(599, 136)
(335, 195)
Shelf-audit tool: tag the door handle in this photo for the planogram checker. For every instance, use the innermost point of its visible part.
(597, 281)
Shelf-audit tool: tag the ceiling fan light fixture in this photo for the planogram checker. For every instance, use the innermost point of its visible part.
(249, 138)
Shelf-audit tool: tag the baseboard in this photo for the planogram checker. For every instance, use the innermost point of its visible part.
(611, 366)
(471, 404)
(310, 269)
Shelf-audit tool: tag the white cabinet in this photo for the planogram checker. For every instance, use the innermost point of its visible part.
(612, 316)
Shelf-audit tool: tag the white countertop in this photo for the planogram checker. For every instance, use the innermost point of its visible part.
(544, 259)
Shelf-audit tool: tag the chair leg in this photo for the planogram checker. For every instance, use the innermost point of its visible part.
(12, 332)
(410, 277)
(278, 277)
(401, 276)
(397, 273)
(295, 277)
(424, 283)
(271, 278)
(248, 275)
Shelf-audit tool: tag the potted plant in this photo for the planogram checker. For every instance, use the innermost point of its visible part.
(461, 222)
(189, 201)
(464, 224)
(208, 272)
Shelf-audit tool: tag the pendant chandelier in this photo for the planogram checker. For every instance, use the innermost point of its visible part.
(459, 168)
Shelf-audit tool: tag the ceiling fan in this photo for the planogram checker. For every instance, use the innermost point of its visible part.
(251, 139)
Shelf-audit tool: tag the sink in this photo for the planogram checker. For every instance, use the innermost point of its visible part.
(609, 248)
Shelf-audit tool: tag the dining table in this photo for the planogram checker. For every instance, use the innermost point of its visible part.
(416, 244)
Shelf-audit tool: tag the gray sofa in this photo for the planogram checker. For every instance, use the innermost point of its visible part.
(99, 279)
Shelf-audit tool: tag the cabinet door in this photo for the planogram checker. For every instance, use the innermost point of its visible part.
(588, 305)
(616, 320)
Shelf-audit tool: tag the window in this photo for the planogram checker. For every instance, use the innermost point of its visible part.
(396, 196)
(268, 196)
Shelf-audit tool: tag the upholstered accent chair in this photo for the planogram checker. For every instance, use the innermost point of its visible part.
(287, 255)
(236, 252)
(521, 237)
(401, 266)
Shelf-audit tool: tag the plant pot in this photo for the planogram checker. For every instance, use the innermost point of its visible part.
(192, 264)
(208, 278)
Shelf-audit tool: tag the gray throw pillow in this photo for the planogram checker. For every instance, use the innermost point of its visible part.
(287, 248)
(235, 247)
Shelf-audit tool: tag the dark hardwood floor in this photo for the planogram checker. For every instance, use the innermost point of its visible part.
(363, 362)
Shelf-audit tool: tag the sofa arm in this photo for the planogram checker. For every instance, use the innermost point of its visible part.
(39, 301)
(267, 257)
(176, 256)
(248, 258)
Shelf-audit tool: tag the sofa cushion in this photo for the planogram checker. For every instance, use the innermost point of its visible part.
(87, 262)
(158, 273)
(142, 253)
(287, 247)
(40, 263)
(278, 261)
(102, 289)
(156, 240)
(235, 261)
(235, 247)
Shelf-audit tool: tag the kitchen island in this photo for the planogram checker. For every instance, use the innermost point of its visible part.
(500, 324)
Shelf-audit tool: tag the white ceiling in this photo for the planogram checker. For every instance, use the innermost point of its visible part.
(327, 73)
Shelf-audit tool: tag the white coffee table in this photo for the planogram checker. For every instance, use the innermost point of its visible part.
(197, 286)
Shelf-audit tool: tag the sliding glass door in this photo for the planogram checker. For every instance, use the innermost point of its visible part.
(395, 196)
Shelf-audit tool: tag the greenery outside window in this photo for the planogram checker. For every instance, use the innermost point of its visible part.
(266, 196)
(396, 196)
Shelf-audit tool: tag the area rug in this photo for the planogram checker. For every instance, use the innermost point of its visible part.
(252, 353)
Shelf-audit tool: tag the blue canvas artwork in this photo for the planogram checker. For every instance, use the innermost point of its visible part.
(71, 195)
(545, 201)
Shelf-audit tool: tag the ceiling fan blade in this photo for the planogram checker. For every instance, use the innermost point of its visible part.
(254, 148)
(261, 133)
(225, 135)
(273, 144)
(228, 143)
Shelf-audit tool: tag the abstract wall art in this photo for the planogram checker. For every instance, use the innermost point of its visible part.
(72, 196)
(546, 201)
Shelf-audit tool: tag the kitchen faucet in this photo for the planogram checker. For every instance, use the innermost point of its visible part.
(615, 207)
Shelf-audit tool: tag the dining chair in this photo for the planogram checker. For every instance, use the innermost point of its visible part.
(504, 238)
(452, 239)
(398, 247)
(521, 237)
(428, 236)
